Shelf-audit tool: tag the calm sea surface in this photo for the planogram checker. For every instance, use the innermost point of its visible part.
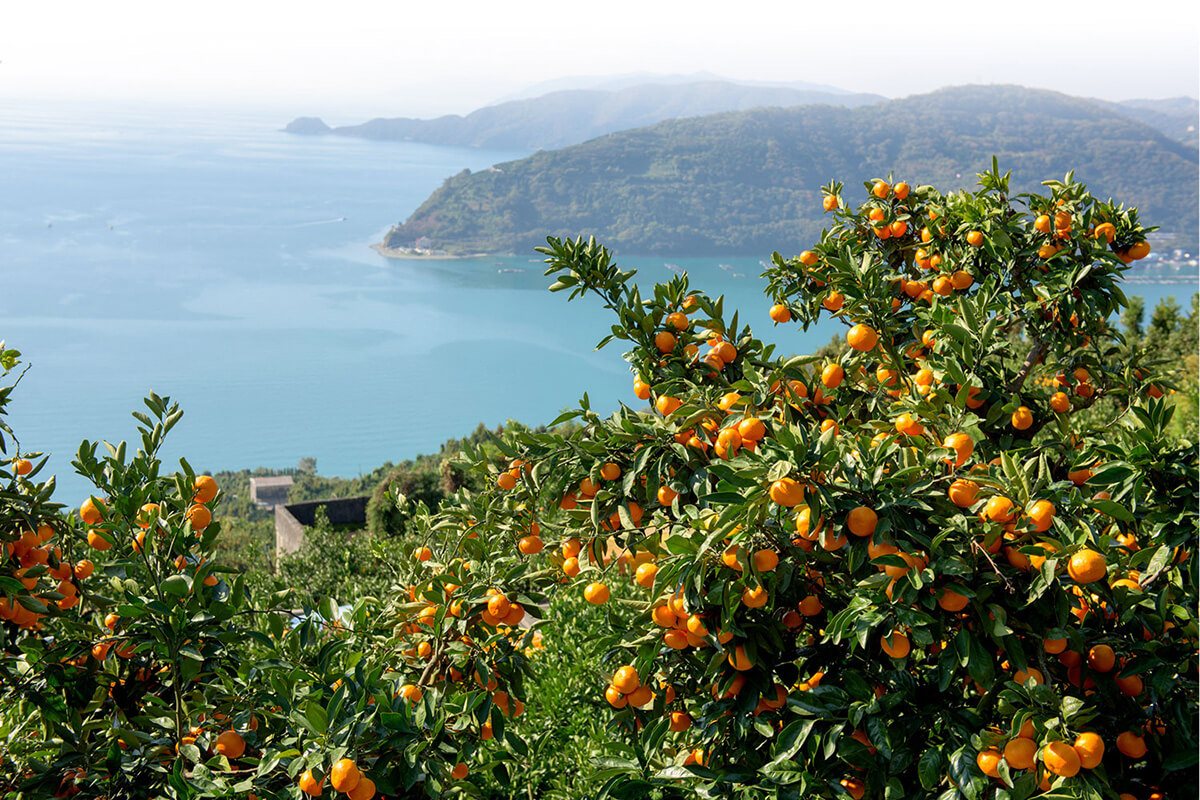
(226, 264)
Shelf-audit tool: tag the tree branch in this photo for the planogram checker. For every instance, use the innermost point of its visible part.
(1032, 358)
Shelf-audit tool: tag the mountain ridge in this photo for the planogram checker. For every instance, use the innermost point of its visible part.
(748, 182)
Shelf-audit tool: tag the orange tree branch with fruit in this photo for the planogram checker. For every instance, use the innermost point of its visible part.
(909, 570)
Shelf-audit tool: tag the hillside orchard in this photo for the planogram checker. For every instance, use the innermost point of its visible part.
(952, 559)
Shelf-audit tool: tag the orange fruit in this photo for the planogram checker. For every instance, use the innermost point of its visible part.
(84, 569)
(1087, 566)
(962, 445)
(641, 389)
(787, 492)
(680, 721)
(1020, 753)
(204, 489)
(999, 509)
(423, 554)
(411, 692)
(950, 600)
(862, 337)
(1061, 759)
(199, 516)
(1060, 402)
(832, 375)
(1130, 686)
(344, 775)
(1041, 514)
(667, 405)
(989, 762)
(754, 597)
(644, 575)
(1131, 744)
(963, 492)
(506, 481)
(310, 785)
(910, 425)
(1054, 646)
(596, 593)
(880, 189)
(861, 521)
(901, 190)
(766, 560)
(459, 772)
(738, 659)
(975, 238)
(98, 541)
(1101, 658)
(810, 606)
(90, 513)
(364, 790)
(1022, 418)
(1090, 748)
(898, 647)
(780, 313)
(230, 744)
(854, 787)
(664, 341)
(626, 680)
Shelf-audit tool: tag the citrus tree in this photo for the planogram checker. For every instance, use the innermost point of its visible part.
(911, 569)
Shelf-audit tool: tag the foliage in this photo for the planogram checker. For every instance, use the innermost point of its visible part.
(747, 182)
(939, 529)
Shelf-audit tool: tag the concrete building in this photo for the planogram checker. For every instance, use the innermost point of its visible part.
(270, 492)
(292, 519)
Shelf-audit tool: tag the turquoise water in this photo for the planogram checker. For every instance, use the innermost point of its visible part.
(226, 264)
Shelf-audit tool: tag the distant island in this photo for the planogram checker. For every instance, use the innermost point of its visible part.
(567, 117)
(748, 182)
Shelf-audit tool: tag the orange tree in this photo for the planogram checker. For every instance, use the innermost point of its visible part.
(912, 570)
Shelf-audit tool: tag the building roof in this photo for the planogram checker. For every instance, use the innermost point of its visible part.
(266, 483)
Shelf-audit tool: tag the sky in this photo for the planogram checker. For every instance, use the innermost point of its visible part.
(351, 58)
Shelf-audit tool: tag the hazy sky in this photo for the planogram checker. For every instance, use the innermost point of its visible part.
(342, 59)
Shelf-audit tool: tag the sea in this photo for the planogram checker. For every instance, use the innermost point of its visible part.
(212, 258)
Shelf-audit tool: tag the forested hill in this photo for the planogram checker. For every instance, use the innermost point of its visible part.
(748, 182)
(568, 117)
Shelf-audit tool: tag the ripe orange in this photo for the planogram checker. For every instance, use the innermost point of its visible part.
(999, 509)
(1022, 418)
(459, 772)
(1087, 566)
(1061, 759)
(199, 516)
(962, 445)
(1060, 402)
(596, 593)
(230, 744)
(861, 521)
(780, 313)
(641, 389)
(98, 541)
(975, 238)
(900, 190)
(854, 787)
(910, 425)
(664, 341)
(787, 492)
(832, 375)
(1101, 658)
(506, 481)
(680, 721)
(1130, 686)
(667, 405)
(90, 513)
(423, 554)
(84, 569)
(963, 492)
(880, 189)
(1020, 753)
(898, 647)
(1041, 513)
(950, 600)
(1090, 748)
(766, 560)
(738, 659)
(810, 606)
(644, 575)
(989, 762)
(530, 545)
(310, 785)
(364, 790)
(411, 692)
(626, 679)
(862, 337)
(204, 489)
(754, 597)
(1131, 744)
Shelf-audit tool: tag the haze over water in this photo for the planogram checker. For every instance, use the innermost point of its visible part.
(226, 264)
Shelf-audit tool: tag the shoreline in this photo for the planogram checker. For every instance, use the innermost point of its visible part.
(409, 253)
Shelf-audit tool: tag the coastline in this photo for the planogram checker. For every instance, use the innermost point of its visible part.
(415, 254)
